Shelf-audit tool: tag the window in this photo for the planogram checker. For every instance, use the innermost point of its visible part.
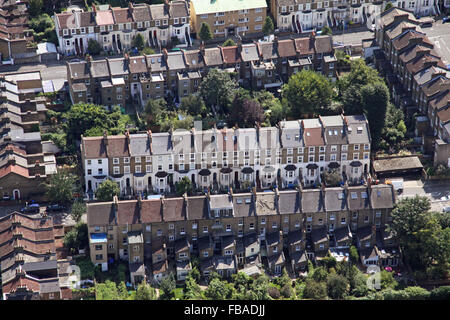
(205, 229)
(252, 226)
(98, 257)
(126, 160)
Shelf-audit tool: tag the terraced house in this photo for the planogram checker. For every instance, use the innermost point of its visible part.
(418, 78)
(242, 231)
(137, 79)
(115, 28)
(305, 15)
(297, 152)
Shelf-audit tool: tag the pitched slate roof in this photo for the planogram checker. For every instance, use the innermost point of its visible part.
(213, 57)
(99, 69)
(335, 199)
(312, 201)
(243, 205)
(100, 214)
(138, 64)
(122, 15)
(197, 208)
(382, 196)
(286, 48)
(174, 209)
(268, 50)
(249, 52)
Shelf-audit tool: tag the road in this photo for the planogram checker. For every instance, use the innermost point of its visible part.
(432, 189)
(439, 34)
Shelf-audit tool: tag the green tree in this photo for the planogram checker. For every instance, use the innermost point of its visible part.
(107, 291)
(326, 30)
(219, 290)
(307, 93)
(287, 291)
(183, 186)
(83, 117)
(138, 42)
(167, 287)
(416, 231)
(259, 288)
(387, 280)
(193, 105)
(94, 47)
(320, 274)
(76, 238)
(205, 32)
(192, 289)
(246, 112)
(77, 210)
(154, 111)
(441, 293)
(283, 280)
(375, 100)
(229, 43)
(145, 292)
(61, 187)
(360, 75)
(354, 256)
(315, 290)
(337, 286)
(217, 90)
(147, 51)
(35, 7)
(268, 26)
(123, 292)
(107, 190)
(388, 6)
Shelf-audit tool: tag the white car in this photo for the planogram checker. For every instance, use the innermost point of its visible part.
(446, 209)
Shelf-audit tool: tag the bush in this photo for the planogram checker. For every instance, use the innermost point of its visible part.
(315, 290)
(274, 293)
(287, 291)
(337, 286)
(441, 293)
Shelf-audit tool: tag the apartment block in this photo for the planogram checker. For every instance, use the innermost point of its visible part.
(228, 18)
(25, 160)
(419, 80)
(115, 28)
(239, 231)
(34, 265)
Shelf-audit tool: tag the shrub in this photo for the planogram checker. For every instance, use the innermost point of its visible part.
(315, 290)
(274, 293)
(441, 293)
(287, 291)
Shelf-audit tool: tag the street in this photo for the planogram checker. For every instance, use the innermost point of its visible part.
(432, 189)
(439, 34)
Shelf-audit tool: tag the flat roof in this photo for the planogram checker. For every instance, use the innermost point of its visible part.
(397, 164)
(213, 6)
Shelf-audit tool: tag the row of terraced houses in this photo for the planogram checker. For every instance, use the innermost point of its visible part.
(296, 152)
(418, 78)
(260, 65)
(246, 232)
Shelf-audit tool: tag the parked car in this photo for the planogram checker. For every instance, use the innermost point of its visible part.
(6, 198)
(32, 208)
(55, 207)
(446, 209)
(446, 19)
